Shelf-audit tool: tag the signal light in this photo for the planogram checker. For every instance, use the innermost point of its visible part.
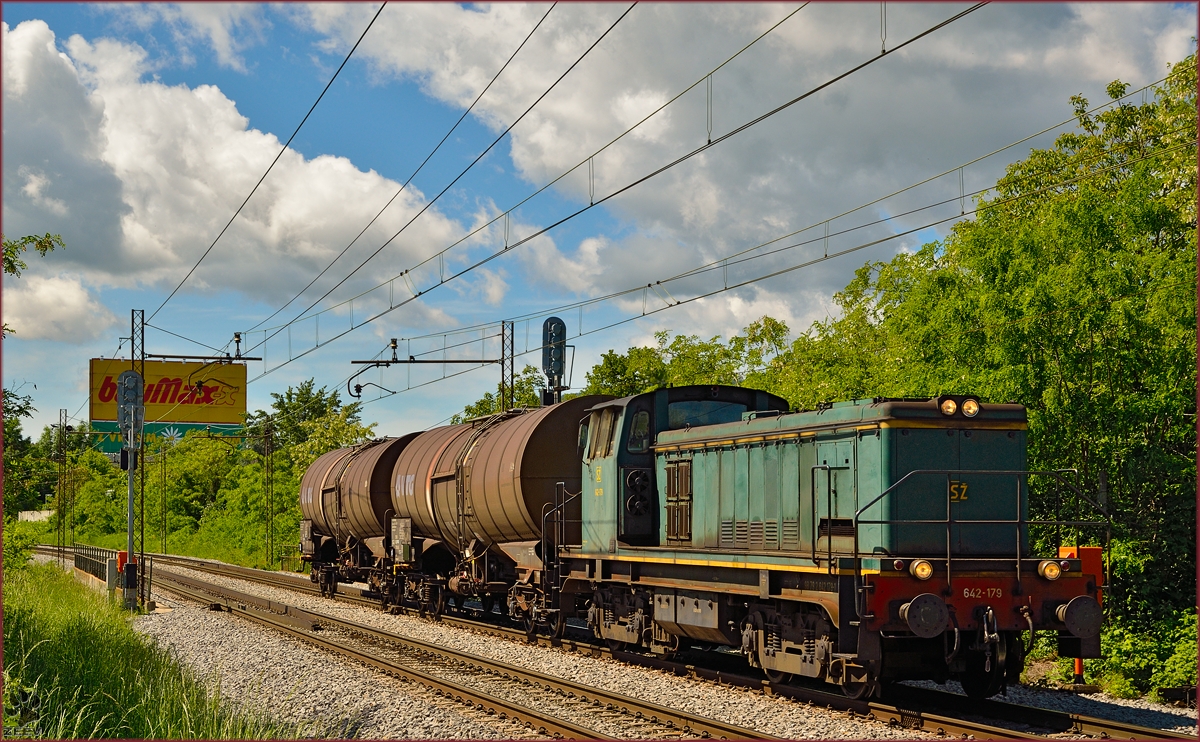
(970, 407)
(921, 569)
(899, 565)
(1049, 569)
(949, 406)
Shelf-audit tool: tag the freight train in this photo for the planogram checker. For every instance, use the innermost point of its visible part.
(860, 543)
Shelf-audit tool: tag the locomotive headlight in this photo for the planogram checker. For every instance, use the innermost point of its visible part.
(1049, 569)
(970, 407)
(921, 569)
(949, 406)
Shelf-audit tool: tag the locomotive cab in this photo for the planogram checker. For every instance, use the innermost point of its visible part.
(623, 500)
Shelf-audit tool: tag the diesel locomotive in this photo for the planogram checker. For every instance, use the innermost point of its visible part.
(859, 543)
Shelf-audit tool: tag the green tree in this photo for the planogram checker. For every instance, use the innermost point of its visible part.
(294, 408)
(527, 388)
(13, 264)
(339, 428)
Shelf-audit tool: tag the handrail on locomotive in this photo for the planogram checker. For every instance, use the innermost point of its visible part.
(1020, 523)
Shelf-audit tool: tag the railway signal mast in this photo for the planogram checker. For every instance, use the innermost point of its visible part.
(131, 414)
(554, 351)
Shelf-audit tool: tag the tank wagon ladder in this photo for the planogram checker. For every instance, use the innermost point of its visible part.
(554, 537)
(461, 462)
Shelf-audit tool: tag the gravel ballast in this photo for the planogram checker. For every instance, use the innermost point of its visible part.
(371, 704)
(275, 673)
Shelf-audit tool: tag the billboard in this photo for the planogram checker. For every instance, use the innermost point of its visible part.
(179, 397)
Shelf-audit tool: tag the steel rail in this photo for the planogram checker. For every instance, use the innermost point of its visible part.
(291, 621)
(301, 621)
(908, 708)
(1059, 722)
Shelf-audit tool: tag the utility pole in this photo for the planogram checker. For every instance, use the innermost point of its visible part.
(60, 494)
(137, 348)
(269, 487)
(508, 393)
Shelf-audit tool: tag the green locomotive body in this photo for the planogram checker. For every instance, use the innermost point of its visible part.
(862, 542)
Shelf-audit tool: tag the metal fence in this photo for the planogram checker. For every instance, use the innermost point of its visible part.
(93, 560)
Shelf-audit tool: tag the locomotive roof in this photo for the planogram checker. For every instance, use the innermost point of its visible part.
(691, 392)
(859, 412)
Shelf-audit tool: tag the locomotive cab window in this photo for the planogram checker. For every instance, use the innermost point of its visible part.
(603, 423)
(583, 434)
(639, 433)
(703, 412)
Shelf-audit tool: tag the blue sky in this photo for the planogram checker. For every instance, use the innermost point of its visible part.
(136, 130)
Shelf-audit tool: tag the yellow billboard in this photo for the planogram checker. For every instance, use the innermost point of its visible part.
(176, 391)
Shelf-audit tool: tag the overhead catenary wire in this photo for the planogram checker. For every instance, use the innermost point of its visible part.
(589, 161)
(458, 177)
(415, 172)
(649, 176)
(272, 165)
(854, 249)
(725, 260)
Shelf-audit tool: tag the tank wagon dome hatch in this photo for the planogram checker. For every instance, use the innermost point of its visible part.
(490, 479)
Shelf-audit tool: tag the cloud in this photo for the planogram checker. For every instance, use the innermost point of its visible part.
(987, 80)
(166, 167)
(54, 308)
(227, 28)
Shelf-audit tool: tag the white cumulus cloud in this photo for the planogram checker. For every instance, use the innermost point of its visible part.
(54, 308)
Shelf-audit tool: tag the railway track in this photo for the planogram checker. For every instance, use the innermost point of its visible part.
(552, 705)
(939, 712)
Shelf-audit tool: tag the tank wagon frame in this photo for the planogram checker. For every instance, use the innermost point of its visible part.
(859, 543)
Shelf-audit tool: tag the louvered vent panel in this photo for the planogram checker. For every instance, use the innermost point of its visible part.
(727, 534)
(791, 534)
(741, 533)
(771, 534)
(756, 534)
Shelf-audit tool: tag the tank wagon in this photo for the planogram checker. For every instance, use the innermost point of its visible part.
(860, 543)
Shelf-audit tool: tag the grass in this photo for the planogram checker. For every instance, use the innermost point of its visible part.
(75, 668)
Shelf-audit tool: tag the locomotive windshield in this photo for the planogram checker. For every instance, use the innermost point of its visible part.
(604, 430)
(703, 412)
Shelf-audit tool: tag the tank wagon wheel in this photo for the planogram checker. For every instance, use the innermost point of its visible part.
(559, 627)
(615, 645)
(489, 603)
(778, 677)
(457, 600)
(530, 624)
(439, 603)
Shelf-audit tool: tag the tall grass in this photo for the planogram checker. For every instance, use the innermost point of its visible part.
(75, 668)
